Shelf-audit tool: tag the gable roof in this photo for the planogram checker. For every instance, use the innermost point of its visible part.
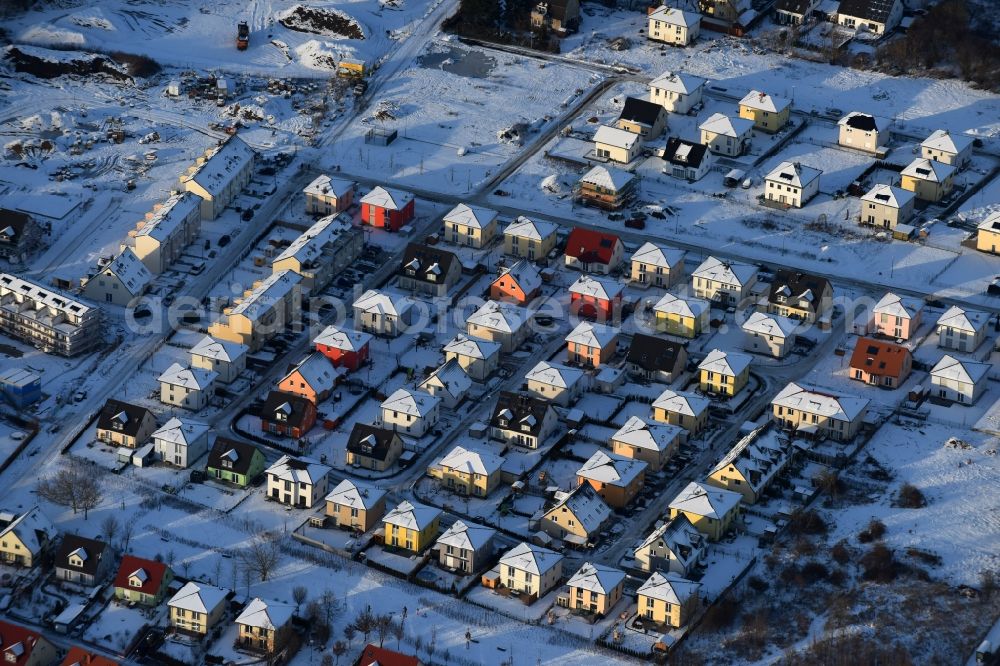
(427, 263)
(586, 506)
(758, 457)
(880, 358)
(193, 379)
(607, 177)
(150, 572)
(799, 7)
(373, 655)
(596, 578)
(166, 218)
(92, 553)
(704, 500)
(266, 614)
(33, 529)
(617, 138)
(182, 433)
(223, 163)
(554, 374)
(476, 217)
(685, 153)
(520, 410)
(592, 334)
(929, 170)
(612, 469)
(122, 417)
(499, 316)
(371, 441)
(388, 198)
(640, 111)
(670, 588)
(841, 408)
(681, 537)
(678, 82)
(720, 123)
(309, 247)
(198, 597)
(972, 321)
(653, 437)
(412, 515)
(451, 377)
(263, 297)
(944, 141)
(239, 454)
(17, 643)
(991, 223)
(725, 363)
(130, 271)
(680, 402)
(756, 99)
(299, 470)
(794, 174)
(967, 372)
(343, 339)
(219, 350)
(356, 494)
(472, 461)
(601, 288)
(870, 10)
(524, 274)
(800, 289)
(674, 16)
(763, 323)
(592, 246)
(325, 186)
(522, 227)
(294, 407)
(887, 195)
(12, 225)
(384, 303)
(77, 656)
(316, 372)
(531, 558)
(469, 536)
(717, 270)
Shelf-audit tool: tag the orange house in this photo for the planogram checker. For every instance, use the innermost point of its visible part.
(520, 284)
(313, 378)
(880, 363)
(592, 344)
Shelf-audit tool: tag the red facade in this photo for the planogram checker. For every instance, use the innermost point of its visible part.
(293, 430)
(352, 360)
(386, 218)
(590, 307)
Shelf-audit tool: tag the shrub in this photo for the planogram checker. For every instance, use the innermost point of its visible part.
(840, 553)
(814, 571)
(721, 614)
(837, 577)
(879, 564)
(757, 584)
(806, 522)
(924, 556)
(910, 497)
(874, 531)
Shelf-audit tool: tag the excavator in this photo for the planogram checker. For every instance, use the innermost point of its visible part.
(242, 36)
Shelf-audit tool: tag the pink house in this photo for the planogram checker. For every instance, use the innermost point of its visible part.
(895, 317)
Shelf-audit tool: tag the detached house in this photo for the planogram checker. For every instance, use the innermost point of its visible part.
(577, 517)
(751, 465)
(142, 581)
(77, 656)
(466, 547)
(124, 424)
(887, 207)
(617, 145)
(723, 282)
(235, 462)
(556, 383)
(943, 146)
(503, 323)
(896, 317)
(313, 379)
(673, 26)
(927, 179)
(817, 413)
(687, 410)
(328, 196)
(473, 226)
(799, 296)
(863, 131)
(21, 646)
(477, 357)
(19, 234)
(592, 344)
(769, 334)
(450, 383)
(468, 471)
(650, 443)
(562, 17)
(82, 560)
(593, 251)
(596, 298)
(226, 359)
(518, 284)
(181, 443)
(410, 412)
(428, 270)
(522, 420)
(25, 538)
(373, 448)
(962, 330)
(713, 511)
(387, 208)
(676, 546)
(383, 313)
(197, 607)
(190, 388)
(724, 373)
(657, 265)
(988, 234)
(676, 92)
(793, 12)
(122, 281)
(355, 505)
(595, 589)
(298, 482)
(767, 112)
(530, 570)
(617, 479)
(343, 347)
(265, 626)
(607, 187)
(528, 239)
(646, 119)
(875, 16)
(686, 318)
(792, 184)
(411, 526)
(959, 381)
(668, 600)
(652, 358)
(287, 415)
(880, 363)
(686, 160)
(724, 135)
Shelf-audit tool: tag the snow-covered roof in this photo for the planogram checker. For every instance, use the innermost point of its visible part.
(413, 403)
(841, 408)
(269, 615)
(525, 275)
(675, 16)
(991, 223)
(325, 186)
(586, 505)
(720, 123)
(343, 339)
(465, 215)
(929, 170)
(197, 597)
(596, 578)
(451, 377)
(262, 297)
(607, 177)
(309, 246)
(755, 99)
(43, 296)
(298, 470)
(670, 588)
(680, 536)
(654, 437)
(130, 271)
(794, 174)
(531, 559)
(355, 494)
(601, 288)
(612, 469)
(222, 165)
(618, 138)
(180, 432)
(944, 141)
(412, 516)
(194, 379)
(770, 324)
(473, 347)
(499, 316)
(758, 456)
(591, 334)
(887, 195)
(384, 303)
(33, 529)
(717, 270)
(677, 82)
(967, 372)
(554, 374)
(472, 461)
(703, 500)
(467, 536)
(522, 227)
(679, 402)
(219, 350)
(896, 306)
(388, 198)
(684, 307)
(169, 216)
(725, 363)
(964, 320)
(317, 372)
(658, 255)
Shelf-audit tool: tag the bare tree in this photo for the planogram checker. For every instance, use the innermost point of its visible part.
(260, 557)
(74, 487)
(349, 633)
(328, 603)
(109, 528)
(299, 594)
(338, 649)
(326, 660)
(383, 623)
(366, 622)
(128, 529)
(397, 632)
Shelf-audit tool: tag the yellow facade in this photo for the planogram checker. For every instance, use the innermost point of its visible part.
(716, 382)
(663, 613)
(988, 241)
(355, 518)
(468, 483)
(409, 539)
(594, 602)
(767, 121)
(193, 621)
(472, 236)
(693, 424)
(731, 478)
(678, 324)
(713, 528)
(927, 190)
(13, 551)
(265, 640)
(794, 419)
(528, 248)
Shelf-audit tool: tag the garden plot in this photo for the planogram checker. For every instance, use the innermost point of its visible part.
(117, 626)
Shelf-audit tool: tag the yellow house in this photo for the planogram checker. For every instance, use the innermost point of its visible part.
(324, 250)
(684, 317)
(595, 589)
(265, 626)
(262, 313)
(197, 607)
(886, 206)
(927, 179)
(615, 144)
(530, 570)
(656, 265)
(470, 225)
(821, 414)
(166, 231)
(219, 175)
(768, 113)
(652, 444)
(711, 510)
(411, 527)
(577, 517)
(529, 240)
(468, 472)
(988, 237)
(122, 424)
(686, 410)
(668, 600)
(24, 538)
(355, 505)
(751, 465)
(724, 373)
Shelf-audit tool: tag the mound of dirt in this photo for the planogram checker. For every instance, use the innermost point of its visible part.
(47, 64)
(326, 22)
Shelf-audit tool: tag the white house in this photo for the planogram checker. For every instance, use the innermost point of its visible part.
(673, 26)
(411, 412)
(676, 92)
(959, 381)
(615, 144)
(449, 383)
(383, 313)
(943, 146)
(477, 357)
(227, 359)
(962, 330)
(726, 135)
(887, 206)
(792, 184)
(863, 131)
(298, 482)
(501, 322)
(120, 282)
(686, 160)
(530, 570)
(190, 388)
(726, 282)
(875, 16)
(555, 382)
(181, 443)
(769, 334)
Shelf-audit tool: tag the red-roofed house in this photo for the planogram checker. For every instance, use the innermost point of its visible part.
(377, 656)
(142, 581)
(21, 646)
(344, 347)
(386, 208)
(77, 656)
(593, 251)
(880, 363)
